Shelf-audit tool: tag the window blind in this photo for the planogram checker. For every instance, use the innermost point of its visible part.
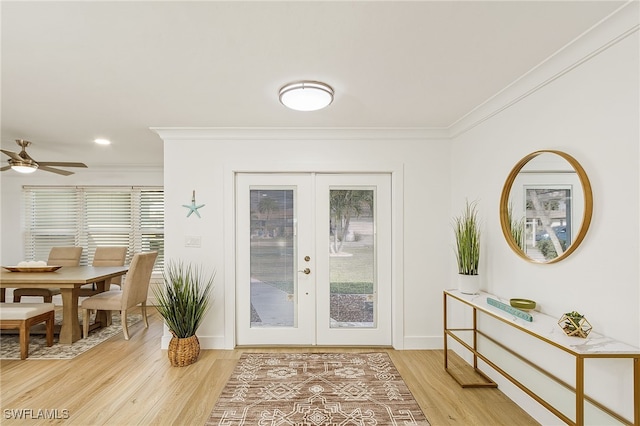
(51, 219)
(94, 216)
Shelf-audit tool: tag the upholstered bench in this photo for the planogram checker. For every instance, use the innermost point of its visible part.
(22, 316)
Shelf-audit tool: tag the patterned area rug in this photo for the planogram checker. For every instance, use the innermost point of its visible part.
(316, 389)
(10, 344)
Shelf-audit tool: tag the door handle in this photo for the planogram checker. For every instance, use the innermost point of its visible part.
(306, 271)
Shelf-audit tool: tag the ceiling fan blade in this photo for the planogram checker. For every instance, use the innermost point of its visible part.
(13, 155)
(54, 170)
(5, 168)
(62, 164)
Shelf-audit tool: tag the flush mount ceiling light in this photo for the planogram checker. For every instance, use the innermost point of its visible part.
(306, 95)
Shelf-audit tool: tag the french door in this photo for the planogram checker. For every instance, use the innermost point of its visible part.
(313, 264)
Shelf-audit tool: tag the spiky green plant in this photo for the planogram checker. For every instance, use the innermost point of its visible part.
(466, 229)
(517, 228)
(184, 298)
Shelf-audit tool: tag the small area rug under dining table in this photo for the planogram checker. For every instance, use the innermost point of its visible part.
(316, 389)
(10, 341)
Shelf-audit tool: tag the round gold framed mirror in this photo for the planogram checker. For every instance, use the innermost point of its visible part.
(546, 206)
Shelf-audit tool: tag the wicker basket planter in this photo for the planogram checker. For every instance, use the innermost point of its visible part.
(183, 351)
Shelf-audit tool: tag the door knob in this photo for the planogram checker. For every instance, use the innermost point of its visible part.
(307, 271)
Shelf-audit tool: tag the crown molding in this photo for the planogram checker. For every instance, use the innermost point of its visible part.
(608, 32)
(137, 167)
(110, 170)
(299, 133)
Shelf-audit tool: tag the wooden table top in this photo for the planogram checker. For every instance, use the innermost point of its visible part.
(67, 276)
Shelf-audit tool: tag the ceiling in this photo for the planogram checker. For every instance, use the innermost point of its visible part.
(75, 71)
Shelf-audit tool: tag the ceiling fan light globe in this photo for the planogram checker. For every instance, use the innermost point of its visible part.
(22, 168)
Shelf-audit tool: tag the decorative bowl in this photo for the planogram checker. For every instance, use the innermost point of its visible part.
(48, 268)
(524, 304)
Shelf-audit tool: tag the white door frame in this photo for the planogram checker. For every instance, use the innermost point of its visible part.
(397, 230)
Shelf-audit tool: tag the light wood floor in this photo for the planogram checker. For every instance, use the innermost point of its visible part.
(131, 382)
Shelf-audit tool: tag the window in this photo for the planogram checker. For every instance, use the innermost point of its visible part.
(94, 216)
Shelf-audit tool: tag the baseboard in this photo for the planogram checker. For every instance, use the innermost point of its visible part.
(423, 342)
(410, 342)
(206, 342)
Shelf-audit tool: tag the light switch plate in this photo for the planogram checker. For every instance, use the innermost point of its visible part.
(193, 241)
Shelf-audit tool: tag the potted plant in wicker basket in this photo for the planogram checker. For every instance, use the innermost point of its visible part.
(182, 301)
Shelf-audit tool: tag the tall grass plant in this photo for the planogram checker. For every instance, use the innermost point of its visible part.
(517, 228)
(183, 300)
(466, 229)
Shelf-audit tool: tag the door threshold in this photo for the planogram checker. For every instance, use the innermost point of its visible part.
(314, 347)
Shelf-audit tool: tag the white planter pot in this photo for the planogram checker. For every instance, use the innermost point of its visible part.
(469, 284)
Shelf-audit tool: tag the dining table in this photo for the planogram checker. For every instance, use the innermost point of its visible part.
(68, 279)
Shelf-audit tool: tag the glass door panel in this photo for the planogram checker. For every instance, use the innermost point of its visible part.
(351, 258)
(272, 250)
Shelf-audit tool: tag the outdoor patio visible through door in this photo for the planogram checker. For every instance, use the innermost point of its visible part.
(313, 263)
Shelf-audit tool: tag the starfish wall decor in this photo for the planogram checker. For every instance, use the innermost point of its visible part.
(193, 208)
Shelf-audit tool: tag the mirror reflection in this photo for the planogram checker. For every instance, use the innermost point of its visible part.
(546, 205)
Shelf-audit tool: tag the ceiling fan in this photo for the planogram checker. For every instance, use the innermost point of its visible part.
(23, 163)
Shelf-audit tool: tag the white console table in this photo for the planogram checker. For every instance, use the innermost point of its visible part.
(545, 329)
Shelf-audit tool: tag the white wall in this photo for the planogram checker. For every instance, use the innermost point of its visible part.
(422, 164)
(589, 109)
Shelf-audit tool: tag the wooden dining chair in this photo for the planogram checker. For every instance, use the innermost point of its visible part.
(105, 256)
(133, 293)
(58, 256)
